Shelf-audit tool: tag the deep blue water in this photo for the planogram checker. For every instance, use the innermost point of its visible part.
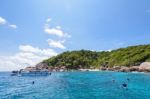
(76, 85)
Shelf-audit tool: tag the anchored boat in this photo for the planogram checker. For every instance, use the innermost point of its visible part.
(31, 73)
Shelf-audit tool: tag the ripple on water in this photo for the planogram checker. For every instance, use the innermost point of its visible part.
(76, 85)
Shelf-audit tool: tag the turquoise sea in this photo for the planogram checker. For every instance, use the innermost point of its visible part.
(76, 85)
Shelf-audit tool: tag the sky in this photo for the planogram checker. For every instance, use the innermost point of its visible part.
(34, 30)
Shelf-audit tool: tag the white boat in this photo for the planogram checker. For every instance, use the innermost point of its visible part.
(32, 73)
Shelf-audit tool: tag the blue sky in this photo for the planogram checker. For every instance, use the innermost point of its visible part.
(72, 25)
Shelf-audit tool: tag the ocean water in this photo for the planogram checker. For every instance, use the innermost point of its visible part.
(76, 85)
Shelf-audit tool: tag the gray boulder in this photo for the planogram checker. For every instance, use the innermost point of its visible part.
(145, 66)
(42, 66)
(124, 69)
(134, 68)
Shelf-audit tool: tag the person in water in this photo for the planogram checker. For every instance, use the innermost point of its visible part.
(32, 82)
(113, 80)
(124, 85)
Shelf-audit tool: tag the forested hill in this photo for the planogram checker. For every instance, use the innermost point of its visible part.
(130, 56)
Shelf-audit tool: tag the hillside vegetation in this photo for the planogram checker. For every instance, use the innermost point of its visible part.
(130, 56)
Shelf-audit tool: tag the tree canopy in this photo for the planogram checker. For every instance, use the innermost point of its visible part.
(129, 56)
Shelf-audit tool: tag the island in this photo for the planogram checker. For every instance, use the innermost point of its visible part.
(129, 59)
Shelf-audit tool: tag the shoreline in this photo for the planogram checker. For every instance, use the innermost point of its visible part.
(143, 67)
(87, 70)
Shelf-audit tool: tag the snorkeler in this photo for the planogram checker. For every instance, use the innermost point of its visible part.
(113, 80)
(32, 82)
(128, 79)
(124, 85)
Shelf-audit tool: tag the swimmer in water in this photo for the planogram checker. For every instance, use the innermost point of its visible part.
(124, 85)
(113, 80)
(32, 82)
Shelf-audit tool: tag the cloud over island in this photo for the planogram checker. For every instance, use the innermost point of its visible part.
(29, 55)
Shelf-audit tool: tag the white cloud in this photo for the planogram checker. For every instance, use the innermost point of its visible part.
(2, 21)
(28, 48)
(57, 31)
(28, 56)
(58, 27)
(36, 50)
(48, 20)
(54, 31)
(13, 26)
(56, 44)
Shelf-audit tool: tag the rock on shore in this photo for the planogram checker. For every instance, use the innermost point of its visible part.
(145, 66)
